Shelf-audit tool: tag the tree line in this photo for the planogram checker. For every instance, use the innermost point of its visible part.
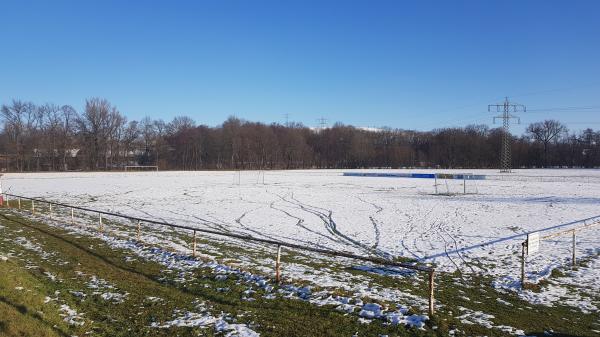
(52, 137)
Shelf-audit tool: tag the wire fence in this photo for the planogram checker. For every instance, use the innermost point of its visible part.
(16, 201)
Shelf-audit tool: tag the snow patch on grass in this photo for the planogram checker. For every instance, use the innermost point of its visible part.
(71, 316)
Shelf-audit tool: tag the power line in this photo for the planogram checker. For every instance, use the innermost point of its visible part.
(570, 108)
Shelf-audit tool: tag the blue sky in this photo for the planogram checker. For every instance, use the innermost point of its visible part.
(406, 64)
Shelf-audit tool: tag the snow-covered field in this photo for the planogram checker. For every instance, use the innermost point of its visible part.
(475, 233)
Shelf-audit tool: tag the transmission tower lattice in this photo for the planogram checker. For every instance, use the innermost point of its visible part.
(507, 108)
(322, 122)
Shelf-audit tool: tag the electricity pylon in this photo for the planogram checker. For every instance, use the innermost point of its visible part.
(322, 122)
(506, 108)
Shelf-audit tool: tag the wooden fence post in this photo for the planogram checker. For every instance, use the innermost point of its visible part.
(194, 245)
(50, 211)
(72, 216)
(32, 207)
(19, 202)
(278, 265)
(431, 292)
(100, 223)
(523, 245)
(574, 247)
(139, 230)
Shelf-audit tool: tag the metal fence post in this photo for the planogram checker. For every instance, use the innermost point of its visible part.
(72, 216)
(435, 182)
(278, 265)
(32, 207)
(464, 184)
(574, 258)
(100, 223)
(194, 245)
(431, 292)
(19, 202)
(50, 211)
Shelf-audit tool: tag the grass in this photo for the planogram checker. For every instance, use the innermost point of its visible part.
(76, 258)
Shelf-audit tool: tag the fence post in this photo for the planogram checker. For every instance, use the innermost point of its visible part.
(72, 216)
(194, 245)
(7, 201)
(574, 258)
(278, 265)
(435, 182)
(464, 184)
(139, 230)
(523, 245)
(19, 202)
(50, 211)
(100, 223)
(431, 292)
(32, 207)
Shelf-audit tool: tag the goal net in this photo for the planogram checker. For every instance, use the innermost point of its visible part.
(455, 184)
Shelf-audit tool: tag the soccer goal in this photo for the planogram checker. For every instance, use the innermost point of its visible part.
(141, 168)
(455, 184)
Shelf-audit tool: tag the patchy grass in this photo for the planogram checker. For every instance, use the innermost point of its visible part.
(73, 260)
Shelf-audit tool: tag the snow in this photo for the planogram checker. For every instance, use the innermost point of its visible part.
(203, 319)
(71, 316)
(34, 247)
(390, 217)
(51, 276)
(114, 297)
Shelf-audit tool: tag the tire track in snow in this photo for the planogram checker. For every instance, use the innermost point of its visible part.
(206, 222)
(260, 233)
(446, 249)
(463, 219)
(299, 221)
(374, 221)
(327, 217)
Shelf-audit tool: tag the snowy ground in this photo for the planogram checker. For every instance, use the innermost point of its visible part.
(477, 233)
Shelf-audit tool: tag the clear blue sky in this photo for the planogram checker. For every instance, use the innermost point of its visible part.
(413, 65)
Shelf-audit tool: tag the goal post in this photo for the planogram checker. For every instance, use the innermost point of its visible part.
(139, 168)
(454, 184)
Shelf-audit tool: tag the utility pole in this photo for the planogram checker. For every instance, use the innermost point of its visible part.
(322, 122)
(507, 108)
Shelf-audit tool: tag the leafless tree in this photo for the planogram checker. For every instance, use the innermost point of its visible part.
(546, 132)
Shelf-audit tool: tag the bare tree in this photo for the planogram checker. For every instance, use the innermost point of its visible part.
(546, 132)
(21, 121)
(99, 128)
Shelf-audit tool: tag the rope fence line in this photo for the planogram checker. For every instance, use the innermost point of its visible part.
(279, 244)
